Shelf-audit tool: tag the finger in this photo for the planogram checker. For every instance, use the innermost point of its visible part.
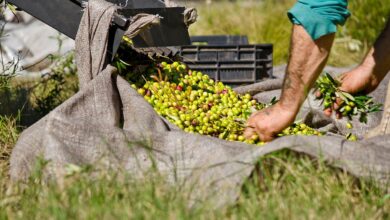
(339, 115)
(345, 87)
(249, 132)
(335, 106)
(339, 101)
(318, 94)
(328, 112)
(265, 138)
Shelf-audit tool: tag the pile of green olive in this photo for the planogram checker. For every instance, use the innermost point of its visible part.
(197, 104)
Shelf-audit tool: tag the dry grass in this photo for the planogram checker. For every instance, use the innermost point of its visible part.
(8, 136)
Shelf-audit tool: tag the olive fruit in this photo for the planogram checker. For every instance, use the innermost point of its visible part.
(197, 104)
(345, 104)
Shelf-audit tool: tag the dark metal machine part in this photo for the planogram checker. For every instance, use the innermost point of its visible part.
(65, 16)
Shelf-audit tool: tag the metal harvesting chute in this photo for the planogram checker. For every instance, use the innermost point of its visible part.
(65, 16)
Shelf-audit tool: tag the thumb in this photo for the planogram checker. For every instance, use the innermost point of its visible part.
(265, 137)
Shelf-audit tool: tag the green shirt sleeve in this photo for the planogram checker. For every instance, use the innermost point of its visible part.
(319, 17)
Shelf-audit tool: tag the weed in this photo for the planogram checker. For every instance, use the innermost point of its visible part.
(55, 87)
(9, 133)
(292, 186)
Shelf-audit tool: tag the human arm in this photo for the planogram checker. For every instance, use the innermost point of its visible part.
(307, 59)
(370, 72)
(367, 76)
(312, 37)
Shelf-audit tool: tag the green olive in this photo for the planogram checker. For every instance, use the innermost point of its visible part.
(195, 103)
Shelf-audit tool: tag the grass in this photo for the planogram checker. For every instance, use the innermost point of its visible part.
(61, 84)
(266, 22)
(31, 99)
(292, 186)
(8, 136)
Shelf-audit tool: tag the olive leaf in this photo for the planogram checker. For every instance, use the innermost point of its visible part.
(349, 96)
(333, 81)
(225, 134)
(360, 105)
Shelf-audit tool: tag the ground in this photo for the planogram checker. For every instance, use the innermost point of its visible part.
(293, 186)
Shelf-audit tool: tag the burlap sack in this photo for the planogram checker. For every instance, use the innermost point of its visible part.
(109, 123)
(311, 110)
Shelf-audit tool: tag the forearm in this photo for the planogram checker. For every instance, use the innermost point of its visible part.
(377, 60)
(307, 59)
(313, 33)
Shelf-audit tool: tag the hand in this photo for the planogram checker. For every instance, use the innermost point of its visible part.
(360, 79)
(269, 122)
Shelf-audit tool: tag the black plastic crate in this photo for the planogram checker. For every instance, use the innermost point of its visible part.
(231, 64)
(219, 40)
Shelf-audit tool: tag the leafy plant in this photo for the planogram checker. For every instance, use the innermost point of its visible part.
(57, 86)
(348, 105)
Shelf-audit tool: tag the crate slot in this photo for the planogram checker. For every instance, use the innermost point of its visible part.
(238, 74)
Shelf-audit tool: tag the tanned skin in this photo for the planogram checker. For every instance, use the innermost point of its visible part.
(307, 59)
(367, 76)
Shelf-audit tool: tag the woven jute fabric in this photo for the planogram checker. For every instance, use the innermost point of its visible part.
(384, 127)
(110, 124)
